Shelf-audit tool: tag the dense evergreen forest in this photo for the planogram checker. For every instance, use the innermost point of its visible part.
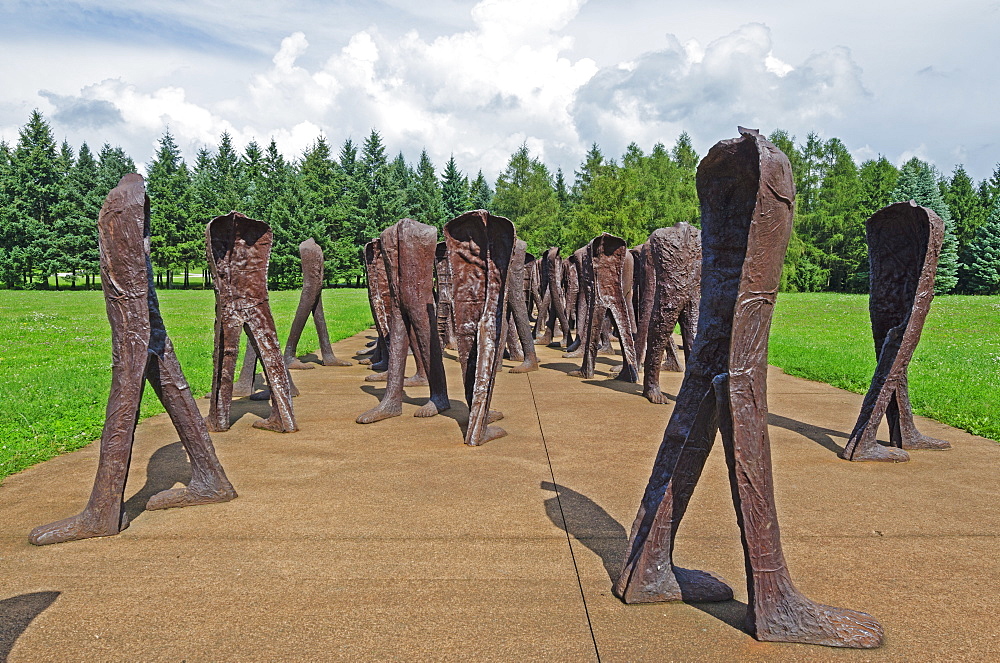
(50, 195)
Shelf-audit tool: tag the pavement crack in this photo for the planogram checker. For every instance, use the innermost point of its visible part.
(562, 515)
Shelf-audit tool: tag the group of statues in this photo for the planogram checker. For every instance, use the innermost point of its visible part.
(473, 293)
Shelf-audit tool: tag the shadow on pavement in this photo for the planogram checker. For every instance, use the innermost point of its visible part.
(16, 613)
(167, 467)
(587, 522)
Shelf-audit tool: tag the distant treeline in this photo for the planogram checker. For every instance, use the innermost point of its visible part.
(50, 197)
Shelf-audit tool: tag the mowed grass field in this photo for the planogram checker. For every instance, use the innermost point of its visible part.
(955, 371)
(55, 360)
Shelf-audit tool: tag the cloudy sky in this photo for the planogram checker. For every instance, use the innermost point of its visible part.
(477, 79)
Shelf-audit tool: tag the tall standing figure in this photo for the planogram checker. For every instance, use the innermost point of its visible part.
(675, 254)
(311, 302)
(904, 242)
(378, 299)
(747, 195)
(480, 246)
(238, 250)
(445, 297)
(407, 249)
(140, 351)
(518, 309)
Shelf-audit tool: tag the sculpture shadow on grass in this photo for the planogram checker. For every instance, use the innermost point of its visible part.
(17, 613)
(587, 522)
(167, 467)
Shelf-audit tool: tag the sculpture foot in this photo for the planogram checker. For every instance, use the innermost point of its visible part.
(415, 381)
(628, 374)
(216, 427)
(188, 496)
(451, 346)
(377, 377)
(381, 366)
(606, 352)
(74, 528)
(295, 364)
(273, 423)
(378, 413)
(544, 340)
(654, 395)
(525, 367)
(489, 433)
(432, 408)
(493, 416)
(578, 373)
(794, 618)
(671, 366)
(336, 361)
(515, 356)
(688, 585)
(878, 453)
(574, 354)
(921, 441)
(615, 371)
(365, 362)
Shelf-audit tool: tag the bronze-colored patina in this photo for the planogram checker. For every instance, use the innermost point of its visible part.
(480, 246)
(380, 302)
(611, 265)
(904, 241)
(747, 195)
(675, 254)
(407, 249)
(238, 251)
(140, 351)
(518, 311)
(583, 266)
(311, 302)
(445, 298)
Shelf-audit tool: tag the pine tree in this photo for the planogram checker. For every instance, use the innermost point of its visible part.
(454, 190)
(426, 202)
(680, 181)
(525, 194)
(480, 193)
(36, 182)
(112, 165)
(227, 177)
(77, 210)
(175, 242)
(980, 270)
(917, 182)
(381, 202)
(964, 205)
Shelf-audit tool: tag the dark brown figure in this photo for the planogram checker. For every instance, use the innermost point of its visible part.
(904, 241)
(311, 301)
(407, 249)
(585, 284)
(445, 298)
(518, 310)
(140, 351)
(238, 252)
(480, 246)
(553, 303)
(675, 254)
(611, 265)
(378, 299)
(746, 191)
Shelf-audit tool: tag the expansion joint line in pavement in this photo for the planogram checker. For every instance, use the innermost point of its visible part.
(569, 542)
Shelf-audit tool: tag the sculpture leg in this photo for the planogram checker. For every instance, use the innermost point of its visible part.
(777, 611)
(863, 444)
(595, 318)
(260, 329)
(576, 349)
(542, 323)
(559, 310)
(307, 301)
(208, 480)
(512, 343)
(689, 325)
(248, 373)
(623, 321)
(325, 348)
(391, 404)
(519, 313)
(660, 328)
(227, 344)
(427, 352)
(418, 379)
(103, 515)
(903, 431)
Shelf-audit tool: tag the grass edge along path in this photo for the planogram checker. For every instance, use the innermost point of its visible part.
(55, 360)
(954, 375)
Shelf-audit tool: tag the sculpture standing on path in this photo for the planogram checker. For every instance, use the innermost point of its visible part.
(675, 254)
(141, 351)
(518, 309)
(311, 301)
(238, 250)
(445, 298)
(746, 191)
(407, 249)
(584, 269)
(904, 241)
(611, 265)
(378, 299)
(480, 246)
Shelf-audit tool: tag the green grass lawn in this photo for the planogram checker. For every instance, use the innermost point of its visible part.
(955, 371)
(55, 360)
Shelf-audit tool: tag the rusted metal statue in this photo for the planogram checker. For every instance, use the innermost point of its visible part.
(445, 298)
(675, 254)
(378, 299)
(238, 251)
(407, 249)
(311, 302)
(517, 310)
(746, 191)
(584, 273)
(141, 351)
(480, 246)
(610, 262)
(552, 308)
(904, 241)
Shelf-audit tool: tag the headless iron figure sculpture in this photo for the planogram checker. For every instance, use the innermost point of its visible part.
(311, 302)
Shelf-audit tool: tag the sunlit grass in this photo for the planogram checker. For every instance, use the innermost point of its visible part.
(55, 360)
(955, 371)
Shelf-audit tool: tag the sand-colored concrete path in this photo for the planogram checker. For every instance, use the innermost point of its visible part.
(394, 541)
